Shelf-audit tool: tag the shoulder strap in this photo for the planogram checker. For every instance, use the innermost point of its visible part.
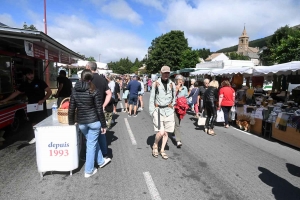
(156, 90)
(171, 86)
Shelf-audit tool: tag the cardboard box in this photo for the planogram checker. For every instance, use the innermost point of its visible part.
(290, 136)
(257, 127)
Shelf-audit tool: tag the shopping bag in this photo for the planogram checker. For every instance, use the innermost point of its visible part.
(190, 100)
(232, 113)
(201, 121)
(125, 94)
(220, 116)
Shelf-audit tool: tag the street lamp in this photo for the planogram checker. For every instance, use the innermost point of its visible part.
(99, 57)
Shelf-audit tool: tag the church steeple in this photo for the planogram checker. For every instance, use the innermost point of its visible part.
(243, 42)
(244, 34)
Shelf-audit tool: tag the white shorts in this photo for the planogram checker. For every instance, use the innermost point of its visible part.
(166, 123)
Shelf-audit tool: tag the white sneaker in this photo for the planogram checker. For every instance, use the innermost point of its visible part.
(106, 161)
(32, 141)
(89, 175)
(179, 144)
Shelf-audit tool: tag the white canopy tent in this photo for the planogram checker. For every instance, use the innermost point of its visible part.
(201, 72)
(284, 69)
(82, 64)
(247, 71)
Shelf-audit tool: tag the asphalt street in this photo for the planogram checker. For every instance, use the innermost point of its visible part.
(231, 165)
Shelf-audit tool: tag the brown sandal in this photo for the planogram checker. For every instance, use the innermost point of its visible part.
(164, 155)
(211, 132)
(155, 151)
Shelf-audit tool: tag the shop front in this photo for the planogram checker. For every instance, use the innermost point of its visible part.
(21, 49)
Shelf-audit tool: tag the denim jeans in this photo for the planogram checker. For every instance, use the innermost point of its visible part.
(103, 143)
(91, 132)
(226, 110)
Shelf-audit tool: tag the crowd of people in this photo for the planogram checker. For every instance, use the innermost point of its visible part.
(94, 100)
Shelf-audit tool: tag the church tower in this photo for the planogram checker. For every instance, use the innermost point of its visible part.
(243, 42)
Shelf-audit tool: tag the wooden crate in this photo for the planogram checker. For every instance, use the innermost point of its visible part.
(290, 136)
(256, 128)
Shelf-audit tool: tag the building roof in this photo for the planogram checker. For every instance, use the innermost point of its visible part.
(37, 37)
(253, 50)
(3, 25)
(252, 55)
(212, 56)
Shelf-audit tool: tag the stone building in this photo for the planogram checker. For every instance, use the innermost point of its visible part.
(244, 49)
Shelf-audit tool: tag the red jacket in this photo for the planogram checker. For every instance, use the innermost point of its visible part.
(181, 107)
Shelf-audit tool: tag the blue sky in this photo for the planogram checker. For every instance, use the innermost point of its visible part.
(120, 28)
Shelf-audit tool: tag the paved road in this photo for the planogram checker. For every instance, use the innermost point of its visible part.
(231, 165)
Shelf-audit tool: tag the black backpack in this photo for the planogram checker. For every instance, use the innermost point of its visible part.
(116, 91)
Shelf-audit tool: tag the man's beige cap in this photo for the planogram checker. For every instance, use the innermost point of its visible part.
(165, 69)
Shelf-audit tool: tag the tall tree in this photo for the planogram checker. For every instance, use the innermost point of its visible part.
(123, 66)
(189, 59)
(288, 48)
(136, 65)
(31, 27)
(166, 50)
(203, 53)
(91, 58)
(268, 57)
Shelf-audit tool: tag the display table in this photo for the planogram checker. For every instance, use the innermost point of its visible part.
(257, 127)
(57, 146)
(290, 136)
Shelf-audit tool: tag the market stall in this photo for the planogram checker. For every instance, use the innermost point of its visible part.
(283, 112)
(274, 112)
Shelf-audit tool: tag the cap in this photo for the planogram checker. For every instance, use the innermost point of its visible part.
(165, 69)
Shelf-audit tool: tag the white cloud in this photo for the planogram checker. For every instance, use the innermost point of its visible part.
(93, 39)
(217, 24)
(8, 20)
(157, 4)
(119, 9)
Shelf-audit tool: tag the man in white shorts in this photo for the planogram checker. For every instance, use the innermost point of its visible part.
(161, 108)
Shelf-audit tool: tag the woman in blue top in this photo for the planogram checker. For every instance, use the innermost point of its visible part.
(194, 94)
(181, 91)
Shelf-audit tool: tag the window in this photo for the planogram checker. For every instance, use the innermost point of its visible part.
(5, 75)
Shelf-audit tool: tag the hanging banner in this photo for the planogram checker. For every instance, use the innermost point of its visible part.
(52, 56)
(64, 58)
(39, 52)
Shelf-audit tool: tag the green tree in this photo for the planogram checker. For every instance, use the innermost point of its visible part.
(31, 27)
(166, 49)
(268, 57)
(136, 65)
(288, 48)
(203, 53)
(236, 56)
(123, 66)
(91, 58)
(189, 59)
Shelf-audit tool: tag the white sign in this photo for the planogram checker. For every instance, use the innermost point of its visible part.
(34, 107)
(57, 147)
(28, 48)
